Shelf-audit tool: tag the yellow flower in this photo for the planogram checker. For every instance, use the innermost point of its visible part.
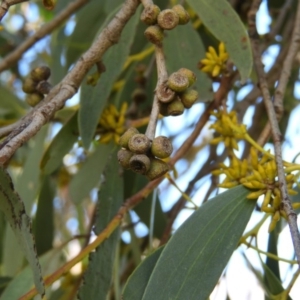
(229, 129)
(112, 123)
(214, 64)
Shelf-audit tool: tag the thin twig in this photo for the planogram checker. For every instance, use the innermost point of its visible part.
(15, 55)
(162, 76)
(286, 203)
(70, 84)
(6, 4)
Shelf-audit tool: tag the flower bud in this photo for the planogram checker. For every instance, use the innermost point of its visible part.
(29, 85)
(164, 93)
(168, 19)
(124, 157)
(175, 108)
(127, 135)
(178, 82)
(34, 99)
(191, 76)
(157, 169)
(140, 163)
(149, 14)
(161, 147)
(154, 35)
(139, 143)
(188, 98)
(182, 14)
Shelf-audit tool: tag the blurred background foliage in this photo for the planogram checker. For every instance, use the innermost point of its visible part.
(59, 173)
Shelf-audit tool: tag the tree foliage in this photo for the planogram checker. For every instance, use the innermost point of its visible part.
(95, 95)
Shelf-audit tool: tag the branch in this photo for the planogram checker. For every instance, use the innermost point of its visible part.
(162, 75)
(70, 84)
(15, 55)
(6, 4)
(291, 215)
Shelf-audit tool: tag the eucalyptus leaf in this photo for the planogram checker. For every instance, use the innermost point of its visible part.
(94, 99)
(60, 145)
(194, 258)
(224, 23)
(98, 277)
(138, 280)
(14, 210)
(89, 174)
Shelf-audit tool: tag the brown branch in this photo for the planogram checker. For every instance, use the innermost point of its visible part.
(162, 76)
(291, 215)
(15, 55)
(70, 84)
(6, 4)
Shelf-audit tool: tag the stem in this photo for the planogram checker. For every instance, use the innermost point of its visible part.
(162, 75)
(277, 137)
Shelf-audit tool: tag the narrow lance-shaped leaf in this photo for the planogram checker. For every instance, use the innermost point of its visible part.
(97, 280)
(138, 280)
(14, 210)
(224, 23)
(194, 258)
(93, 99)
(90, 172)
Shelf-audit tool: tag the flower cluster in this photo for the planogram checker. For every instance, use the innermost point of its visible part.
(229, 129)
(214, 63)
(258, 174)
(112, 123)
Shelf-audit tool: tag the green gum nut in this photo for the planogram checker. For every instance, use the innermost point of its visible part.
(154, 35)
(124, 157)
(139, 144)
(127, 135)
(161, 147)
(168, 19)
(40, 73)
(157, 169)
(183, 15)
(149, 14)
(178, 82)
(189, 97)
(175, 108)
(140, 163)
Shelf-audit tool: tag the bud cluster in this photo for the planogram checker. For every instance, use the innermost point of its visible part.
(144, 156)
(37, 77)
(159, 21)
(174, 95)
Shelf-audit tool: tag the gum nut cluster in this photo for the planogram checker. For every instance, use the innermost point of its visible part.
(37, 75)
(142, 155)
(159, 21)
(175, 95)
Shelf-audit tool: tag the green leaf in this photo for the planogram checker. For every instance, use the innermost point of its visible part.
(194, 258)
(138, 280)
(268, 281)
(94, 99)
(14, 210)
(184, 49)
(44, 223)
(224, 23)
(11, 107)
(22, 282)
(60, 145)
(27, 183)
(110, 198)
(89, 174)
(88, 21)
